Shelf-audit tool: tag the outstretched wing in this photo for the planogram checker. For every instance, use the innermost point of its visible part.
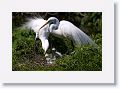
(71, 31)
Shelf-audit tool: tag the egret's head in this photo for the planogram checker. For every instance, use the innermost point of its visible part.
(53, 20)
(53, 23)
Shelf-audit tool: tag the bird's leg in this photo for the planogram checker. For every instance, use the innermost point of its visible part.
(50, 47)
(35, 44)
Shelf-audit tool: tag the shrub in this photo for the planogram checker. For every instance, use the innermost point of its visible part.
(25, 58)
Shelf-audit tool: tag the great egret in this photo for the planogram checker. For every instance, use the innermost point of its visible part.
(42, 28)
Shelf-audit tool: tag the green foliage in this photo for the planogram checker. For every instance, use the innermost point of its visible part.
(83, 58)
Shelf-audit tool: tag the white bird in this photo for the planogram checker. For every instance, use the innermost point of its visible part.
(42, 28)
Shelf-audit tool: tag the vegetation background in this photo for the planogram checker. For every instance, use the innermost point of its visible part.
(85, 57)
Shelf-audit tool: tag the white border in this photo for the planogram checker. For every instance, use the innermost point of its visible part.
(104, 76)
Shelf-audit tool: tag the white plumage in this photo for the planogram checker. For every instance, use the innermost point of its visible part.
(69, 30)
(63, 28)
(34, 23)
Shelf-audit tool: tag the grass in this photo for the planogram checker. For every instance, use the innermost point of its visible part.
(84, 58)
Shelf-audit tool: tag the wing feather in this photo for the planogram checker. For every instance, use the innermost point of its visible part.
(74, 33)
